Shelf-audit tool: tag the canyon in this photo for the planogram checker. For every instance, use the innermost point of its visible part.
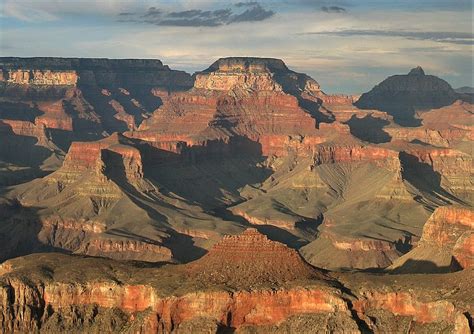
(242, 198)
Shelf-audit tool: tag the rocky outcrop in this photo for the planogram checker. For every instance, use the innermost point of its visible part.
(446, 243)
(448, 168)
(41, 77)
(463, 251)
(86, 294)
(401, 95)
(446, 225)
(256, 98)
(142, 306)
(403, 305)
(241, 73)
(24, 128)
(251, 259)
(113, 155)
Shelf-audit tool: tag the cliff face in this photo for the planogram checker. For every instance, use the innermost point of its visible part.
(446, 243)
(253, 138)
(256, 98)
(142, 307)
(91, 71)
(83, 99)
(447, 168)
(446, 226)
(401, 95)
(40, 77)
(80, 294)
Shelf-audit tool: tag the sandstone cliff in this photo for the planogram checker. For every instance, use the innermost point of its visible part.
(86, 294)
(446, 243)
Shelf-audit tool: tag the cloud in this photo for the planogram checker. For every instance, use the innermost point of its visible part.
(246, 4)
(436, 36)
(252, 12)
(152, 12)
(256, 13)
(333, 9)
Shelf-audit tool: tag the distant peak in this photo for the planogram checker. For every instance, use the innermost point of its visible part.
(417, 71)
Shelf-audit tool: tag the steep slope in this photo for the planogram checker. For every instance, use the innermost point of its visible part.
(80, 99)
(252, 143)
(256, 98)
(54, 292)
(251, 259)
(402, 95)
(446, 243)
(101, 203)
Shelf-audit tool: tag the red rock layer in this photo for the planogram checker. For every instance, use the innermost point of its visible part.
(447, 241)
(250, 258)
(353, 153)
(463, 251)
(446, 225)
(23, 128)
(190, 115)
(407, 305)
(112, 153)
(245, 97)
(165, 313)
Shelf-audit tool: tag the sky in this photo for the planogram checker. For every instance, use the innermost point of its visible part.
(347, 46)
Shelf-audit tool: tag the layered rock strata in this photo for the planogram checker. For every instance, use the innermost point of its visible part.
(446, 243)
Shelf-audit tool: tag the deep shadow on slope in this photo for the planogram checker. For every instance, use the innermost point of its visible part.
(182, 246)
(20, 157)
(420, 267)
(424, 178)
(314, 109)
(211, 174)
(369, 129)
(19, 228)
(18, 111)
(403, 95)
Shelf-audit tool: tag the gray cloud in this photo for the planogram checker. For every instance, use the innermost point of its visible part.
(152, 12)
(333, 9)
(246, 4)
(252, 12)
(436, 36)
(255, 13)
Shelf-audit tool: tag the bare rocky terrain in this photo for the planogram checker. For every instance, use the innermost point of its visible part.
(139, 198)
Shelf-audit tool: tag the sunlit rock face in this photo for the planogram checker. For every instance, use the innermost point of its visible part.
(445, 245)
(245, 142)
(256, 98)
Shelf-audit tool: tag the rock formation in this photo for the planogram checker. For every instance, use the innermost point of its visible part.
(235, 97)
(161, 164)
(65, 94)
(127, 165)
(402, 95)
(86, 294)
(251, 259)
(446, 243)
